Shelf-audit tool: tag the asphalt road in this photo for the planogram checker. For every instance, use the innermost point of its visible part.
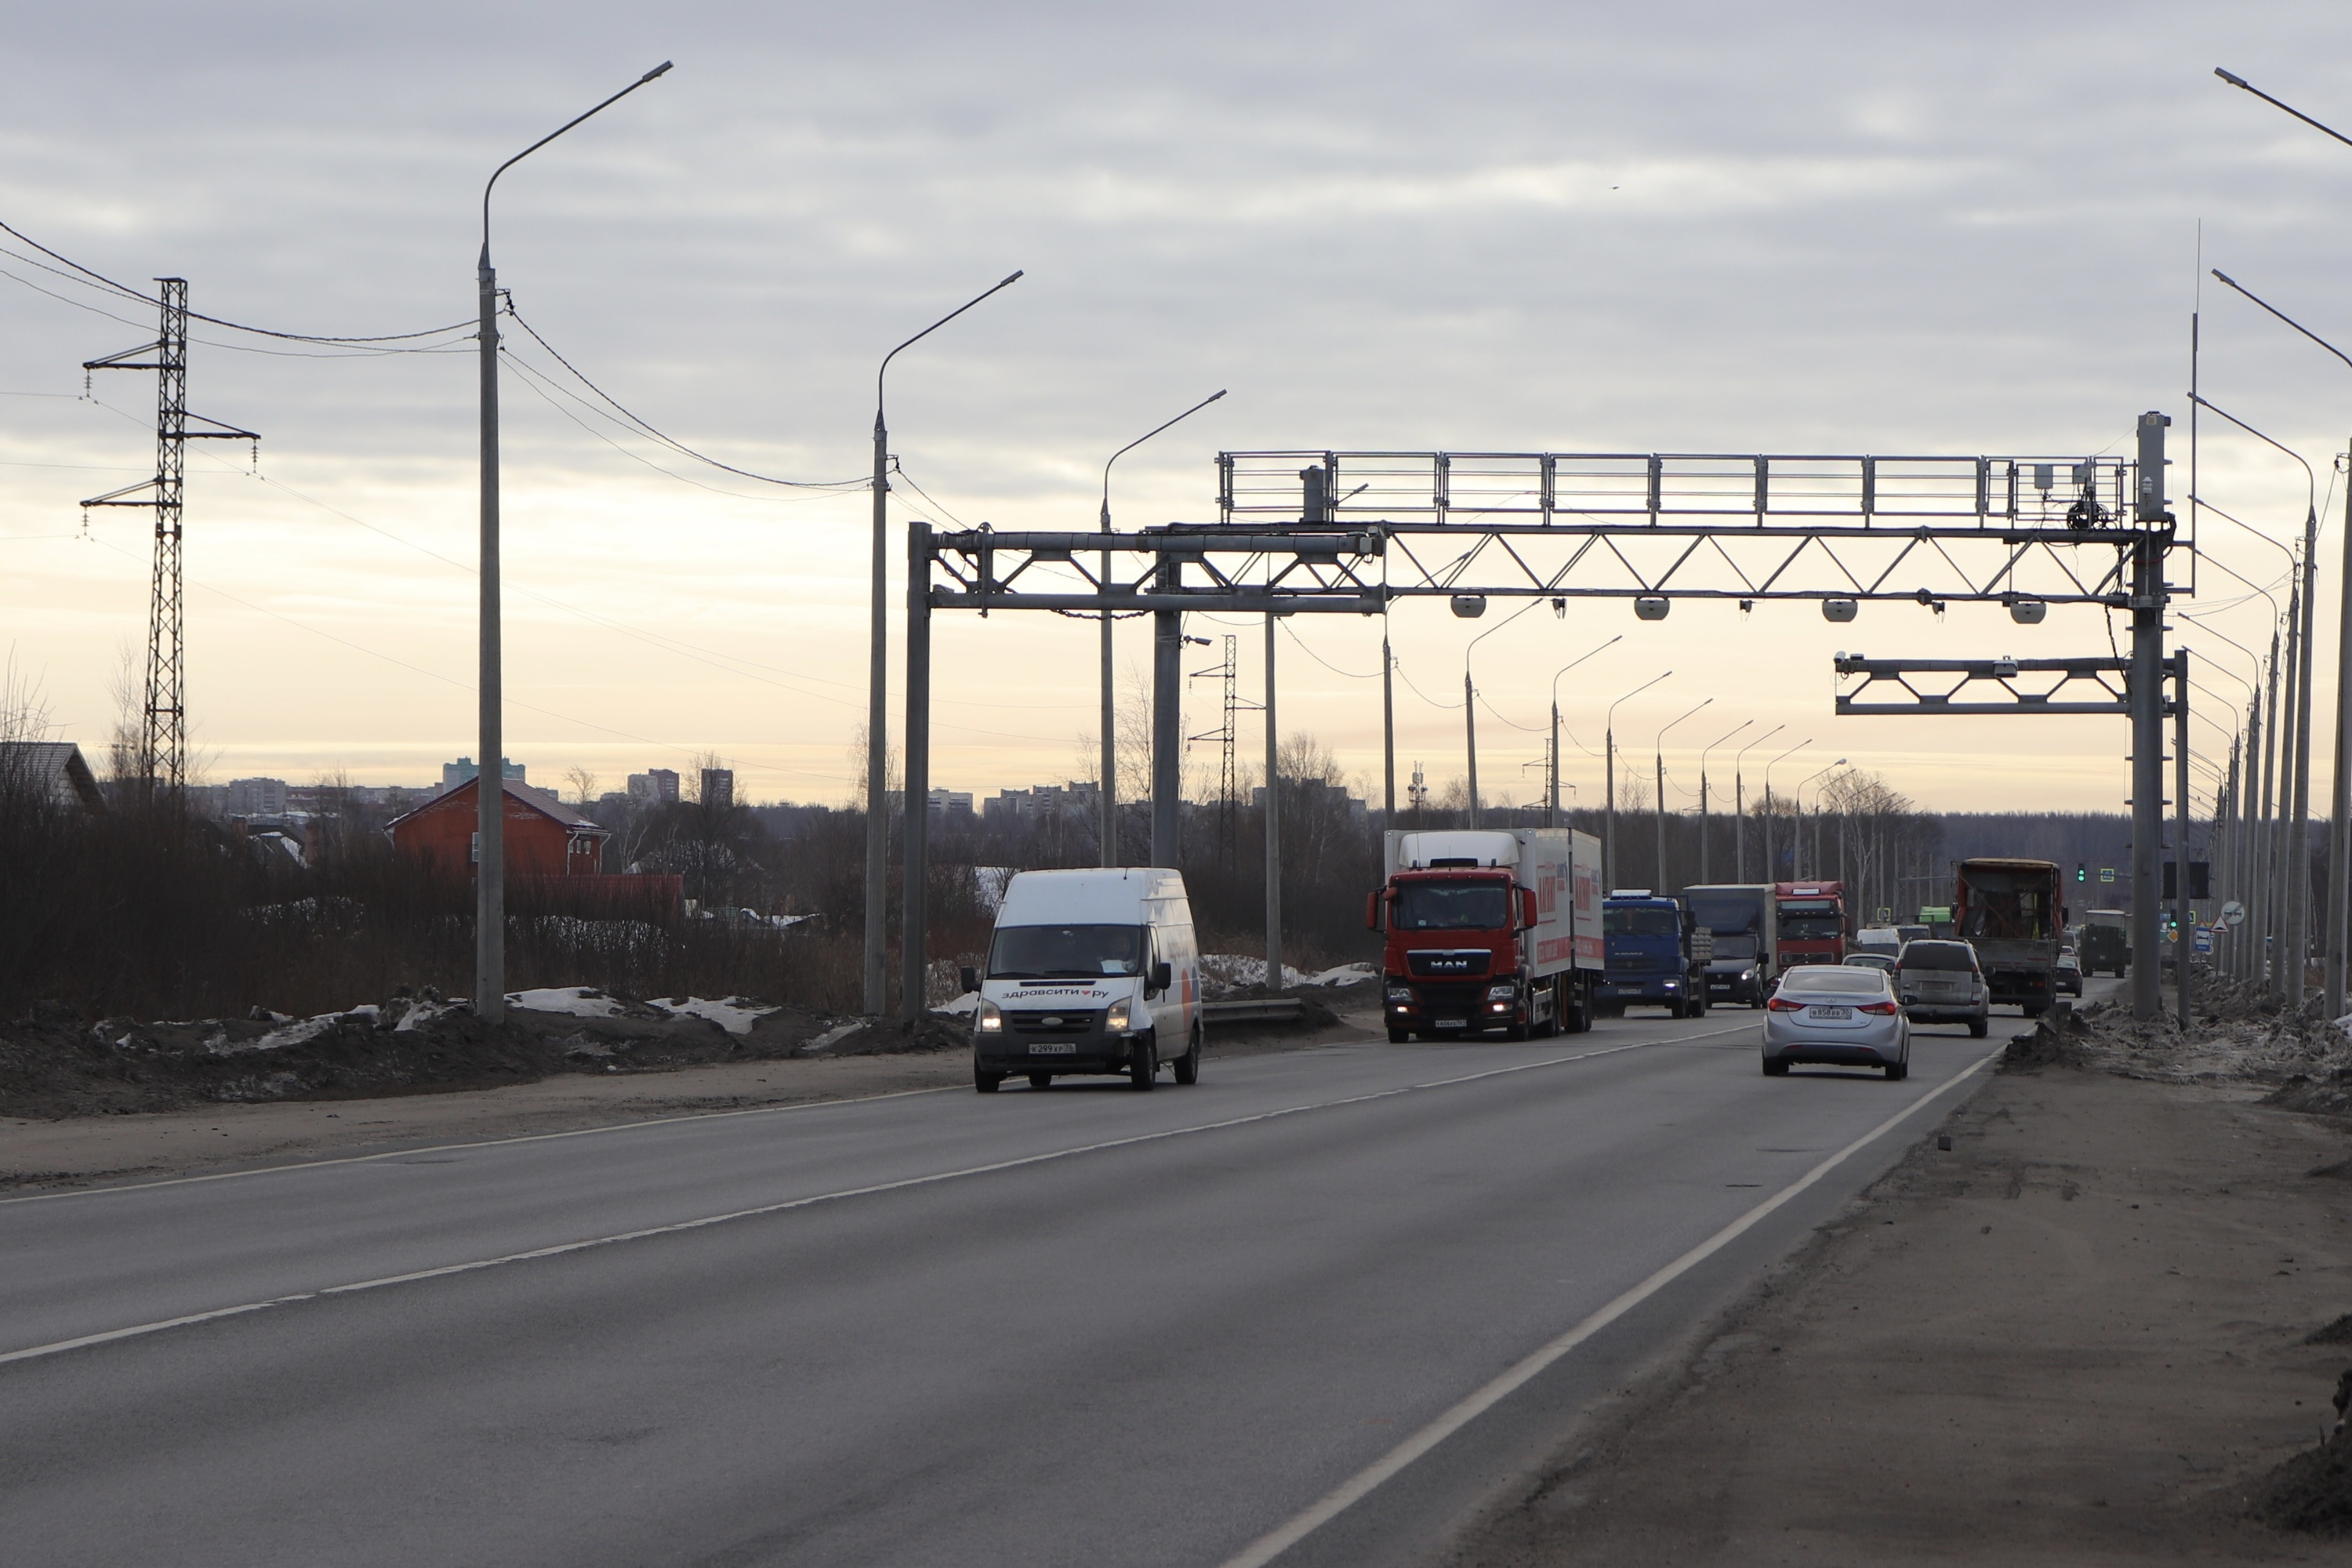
(1082, 1327)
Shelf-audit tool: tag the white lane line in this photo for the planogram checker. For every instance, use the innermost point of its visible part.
(1268, 1547)
(558, 1249)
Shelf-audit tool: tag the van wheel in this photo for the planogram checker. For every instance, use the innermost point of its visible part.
(984, 1081)
(1188, 1066)
(1040, 1080)
(1400, 1037)
(1143, 1071)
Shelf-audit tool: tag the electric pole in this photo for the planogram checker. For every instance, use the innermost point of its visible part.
(162, 759)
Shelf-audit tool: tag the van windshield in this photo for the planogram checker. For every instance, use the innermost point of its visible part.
(1062, 952)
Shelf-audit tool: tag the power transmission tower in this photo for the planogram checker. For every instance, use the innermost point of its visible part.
(163, 737)
(1228, 740)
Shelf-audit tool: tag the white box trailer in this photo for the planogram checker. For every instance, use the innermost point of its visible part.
(1456, 945)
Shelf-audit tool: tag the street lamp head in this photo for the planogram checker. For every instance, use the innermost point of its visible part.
(2232, 80)
(661, 69)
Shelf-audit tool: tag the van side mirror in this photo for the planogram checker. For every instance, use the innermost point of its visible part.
(1160, 978)
(971, 978)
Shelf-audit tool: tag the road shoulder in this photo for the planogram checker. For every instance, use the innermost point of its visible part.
(2077, 1336)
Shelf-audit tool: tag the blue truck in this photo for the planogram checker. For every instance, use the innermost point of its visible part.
(1655, 954)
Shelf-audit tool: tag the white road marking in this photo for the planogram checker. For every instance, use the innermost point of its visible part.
(558, 1249)
(1273, 1544)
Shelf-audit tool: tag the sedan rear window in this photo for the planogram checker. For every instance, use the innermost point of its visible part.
(1938, 955)
(1840, 977)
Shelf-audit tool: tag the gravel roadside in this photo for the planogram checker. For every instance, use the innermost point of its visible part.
(2079, 1335)
(102, 1149)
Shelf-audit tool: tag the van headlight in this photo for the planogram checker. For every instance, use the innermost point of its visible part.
(991, 1018)
(1114, 1021)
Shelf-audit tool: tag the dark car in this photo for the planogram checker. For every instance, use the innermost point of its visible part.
(2069, 977)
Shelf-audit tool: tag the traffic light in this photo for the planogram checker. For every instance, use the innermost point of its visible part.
(2082, 872)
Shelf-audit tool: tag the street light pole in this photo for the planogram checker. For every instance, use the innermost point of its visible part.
(2296, 864)
(1470, 694)
(1710, 746)
(1739, 802)
(1551, 792)
(1609, 768)
(1771, 867)
(1110, 803)
(1658, 762)
(878, 675)
(2339, 813)
(490, 779)
(1798, 841)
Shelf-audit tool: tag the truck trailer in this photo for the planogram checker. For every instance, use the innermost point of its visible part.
(1489, 929)
(2009, 910)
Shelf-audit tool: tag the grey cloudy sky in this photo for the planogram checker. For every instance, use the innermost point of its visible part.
(1665, 227)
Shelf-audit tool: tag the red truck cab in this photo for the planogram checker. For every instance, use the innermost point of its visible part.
(1494, 929)
(1810, 927)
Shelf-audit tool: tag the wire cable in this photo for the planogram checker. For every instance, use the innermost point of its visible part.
(671, 442)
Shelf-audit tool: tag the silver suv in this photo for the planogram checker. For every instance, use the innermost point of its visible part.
(1940, 981)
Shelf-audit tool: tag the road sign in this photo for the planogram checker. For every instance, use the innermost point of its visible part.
(2107, 873)
(2234, 914)
(1885, 915)
(2204, 939)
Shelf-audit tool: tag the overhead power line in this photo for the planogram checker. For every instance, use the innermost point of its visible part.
(126, 291)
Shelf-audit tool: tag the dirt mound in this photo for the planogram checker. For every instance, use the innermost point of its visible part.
(2312, 1493)
(933, 1032)
(2336, 1333)
(55, 1064)
(2329, 1094)
(2056, 1040)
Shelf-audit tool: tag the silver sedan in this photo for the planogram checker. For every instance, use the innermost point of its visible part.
(1836, 1015)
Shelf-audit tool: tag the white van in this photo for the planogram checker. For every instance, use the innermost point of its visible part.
(1088, 972)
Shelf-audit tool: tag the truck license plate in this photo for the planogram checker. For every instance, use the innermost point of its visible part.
(1070, 1049)
(1448, 1023)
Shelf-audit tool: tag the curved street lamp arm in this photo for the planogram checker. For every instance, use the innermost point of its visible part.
(550, 136)
(2241, 82)
(1140, 440)
(2282, 315)
(926, 333)
(2310, 483)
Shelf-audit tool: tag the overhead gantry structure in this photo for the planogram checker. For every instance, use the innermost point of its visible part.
(1357, 532)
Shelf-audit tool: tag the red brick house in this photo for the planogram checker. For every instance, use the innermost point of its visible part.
(544, 838)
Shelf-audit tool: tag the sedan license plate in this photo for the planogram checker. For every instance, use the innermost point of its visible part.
(1830, 1014)
(1069, 1050)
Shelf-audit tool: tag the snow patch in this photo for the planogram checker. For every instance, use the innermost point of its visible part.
(962, 1006)
(1234, 970)
(831, 1037)
(580, 1001)
(735, 1015)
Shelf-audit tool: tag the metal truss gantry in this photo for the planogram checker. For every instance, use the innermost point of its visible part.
(162, 758)
(1355, 532)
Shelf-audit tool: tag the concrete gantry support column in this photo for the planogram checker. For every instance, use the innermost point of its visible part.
(914, 947)
(1167, 719)
(2181, 819)
(2147, 693)
(1272, 828)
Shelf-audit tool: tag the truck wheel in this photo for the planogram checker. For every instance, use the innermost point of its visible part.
(1143, 1068)
(1516, 1031)
(1698, 1006)
(1579, 1017)
(984, 1081)
(1188, 1066)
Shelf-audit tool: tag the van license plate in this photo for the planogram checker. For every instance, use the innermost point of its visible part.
(1831, 1014)
(1067, 1050)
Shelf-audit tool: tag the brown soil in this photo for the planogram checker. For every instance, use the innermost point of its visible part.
(2084, 1334)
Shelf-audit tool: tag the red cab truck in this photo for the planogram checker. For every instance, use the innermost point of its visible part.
(1489, 929)
(1811, 927)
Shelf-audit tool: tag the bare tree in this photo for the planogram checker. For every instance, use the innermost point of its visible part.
(583, 784)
